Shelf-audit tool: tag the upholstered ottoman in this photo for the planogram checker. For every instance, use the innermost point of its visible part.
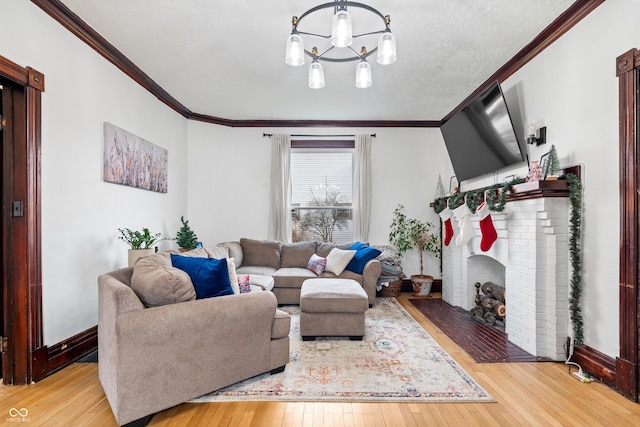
(332, 307)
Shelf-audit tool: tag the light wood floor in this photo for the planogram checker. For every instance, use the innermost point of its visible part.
(525, 394)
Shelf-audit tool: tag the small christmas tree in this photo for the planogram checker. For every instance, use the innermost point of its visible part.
(552, 165)
(186, 238)
(439, 188)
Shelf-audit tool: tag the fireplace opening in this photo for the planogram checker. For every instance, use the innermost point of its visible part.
(490, 305)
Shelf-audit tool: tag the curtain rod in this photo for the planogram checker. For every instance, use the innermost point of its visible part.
(373, 135)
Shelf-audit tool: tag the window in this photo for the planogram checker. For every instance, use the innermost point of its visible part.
(321, 191)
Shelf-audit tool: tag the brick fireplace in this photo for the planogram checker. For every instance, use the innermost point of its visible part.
(530, 259)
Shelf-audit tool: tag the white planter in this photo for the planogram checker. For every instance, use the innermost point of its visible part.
(421, 284)
(134, 254)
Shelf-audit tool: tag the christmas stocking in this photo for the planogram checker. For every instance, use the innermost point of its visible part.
(445, 215)
(487, 229)
(463, 215)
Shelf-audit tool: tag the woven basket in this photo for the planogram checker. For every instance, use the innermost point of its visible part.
(393, 290)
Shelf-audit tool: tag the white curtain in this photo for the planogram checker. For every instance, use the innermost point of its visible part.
(362, 188)
(280, 192)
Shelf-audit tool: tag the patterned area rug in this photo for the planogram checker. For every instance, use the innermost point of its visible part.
(396, 362)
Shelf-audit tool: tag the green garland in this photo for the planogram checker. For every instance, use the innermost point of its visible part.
(575, 222)
(496, 197)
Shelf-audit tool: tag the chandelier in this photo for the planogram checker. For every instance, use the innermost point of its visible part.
(340, 49)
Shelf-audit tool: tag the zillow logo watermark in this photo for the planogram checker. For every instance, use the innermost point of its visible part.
(18, 415)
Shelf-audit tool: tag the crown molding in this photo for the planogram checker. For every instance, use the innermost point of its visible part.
(563, 23)
(72, 22)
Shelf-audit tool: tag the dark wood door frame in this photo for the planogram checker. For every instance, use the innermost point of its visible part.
(25, 356)
(628, 72)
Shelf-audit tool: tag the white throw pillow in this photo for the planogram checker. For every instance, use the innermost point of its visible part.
(338, 259)
(233, 275)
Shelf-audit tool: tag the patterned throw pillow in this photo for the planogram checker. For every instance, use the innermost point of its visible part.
(244, 282)
(317, 264)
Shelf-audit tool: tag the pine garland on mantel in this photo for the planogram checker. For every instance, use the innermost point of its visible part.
(496, 198)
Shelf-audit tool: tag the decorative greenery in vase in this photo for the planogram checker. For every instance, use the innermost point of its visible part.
(139, 239)
(408, 233)
(186, 238)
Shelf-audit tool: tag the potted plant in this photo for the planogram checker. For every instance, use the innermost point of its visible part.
(140, 242)
(186, 238)
(408, 233)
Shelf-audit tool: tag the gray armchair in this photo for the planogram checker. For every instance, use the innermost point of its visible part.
(151, 359)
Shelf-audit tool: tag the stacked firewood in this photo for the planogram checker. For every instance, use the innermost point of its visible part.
(490, 304)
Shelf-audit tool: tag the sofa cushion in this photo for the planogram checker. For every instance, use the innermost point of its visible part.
(256, 269)
(346, 274)
(217, 252)
(157, 283)
(362, 256)
(338, 259)
(210, 276)
(292, 277)
(261, 252)
(265, 283)
(197, 252)
(324, 248)
(296, 254)
(317, 264)
(234, 251)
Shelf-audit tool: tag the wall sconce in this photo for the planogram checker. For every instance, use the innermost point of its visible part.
(542, 135)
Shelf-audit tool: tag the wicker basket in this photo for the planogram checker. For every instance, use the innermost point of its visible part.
(393, 290)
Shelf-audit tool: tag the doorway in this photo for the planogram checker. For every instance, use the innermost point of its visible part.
(24, 358)
(627, 371)
(3, 124)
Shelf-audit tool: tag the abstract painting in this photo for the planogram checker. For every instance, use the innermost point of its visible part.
(133, 161)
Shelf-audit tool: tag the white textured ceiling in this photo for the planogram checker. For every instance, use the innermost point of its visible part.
(226, 58)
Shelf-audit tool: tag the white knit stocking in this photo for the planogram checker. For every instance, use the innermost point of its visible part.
(463, 215)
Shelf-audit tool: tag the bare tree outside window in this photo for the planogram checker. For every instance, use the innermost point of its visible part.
(320, 223)
(321, 195)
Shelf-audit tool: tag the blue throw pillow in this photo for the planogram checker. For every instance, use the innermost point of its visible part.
(358, 245)
(362, 256)
(210, 276)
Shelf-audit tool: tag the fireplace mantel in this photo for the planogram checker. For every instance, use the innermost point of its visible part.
(538, 189)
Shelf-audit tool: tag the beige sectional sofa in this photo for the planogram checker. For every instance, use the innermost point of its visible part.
(287, 264)
(154, 357)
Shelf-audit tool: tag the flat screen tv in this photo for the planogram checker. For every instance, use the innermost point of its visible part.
(480, 138)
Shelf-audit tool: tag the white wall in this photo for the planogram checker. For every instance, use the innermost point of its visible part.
(229, 180)
(571, 87)
(80, 212)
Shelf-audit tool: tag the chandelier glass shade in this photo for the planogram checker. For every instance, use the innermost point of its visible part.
(363, 75)
(316, 75)
(337, 46)
(295, 50)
